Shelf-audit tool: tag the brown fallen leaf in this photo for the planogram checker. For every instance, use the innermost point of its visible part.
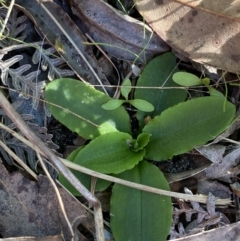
(62, 33)
(121, 36)
(204, 31)
(29, 208)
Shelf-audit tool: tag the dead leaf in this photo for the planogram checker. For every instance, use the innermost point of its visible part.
(67, 39)
(214, 153)
(29, 208)
(216, 188)
(204, 31)
(121, 36)
(225, 170)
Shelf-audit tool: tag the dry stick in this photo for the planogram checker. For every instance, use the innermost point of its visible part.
(190, 197)
(39, 144)
(7, 17)
(197, 198)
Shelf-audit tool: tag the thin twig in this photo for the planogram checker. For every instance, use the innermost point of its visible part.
(7, 17)
(190, 197)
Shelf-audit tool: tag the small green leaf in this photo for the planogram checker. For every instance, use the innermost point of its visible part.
(126, 88)
(141, 142)
(78, 106)
(186, 79)
(109, 153)
(142, 105)
(112, 104)
(83, 178)
(187, 125)
(206, 81)
(142, 216)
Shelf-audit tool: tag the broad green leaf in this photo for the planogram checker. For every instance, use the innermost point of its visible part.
(78, 106)
(141, 142)
(109, 153)
(142, 105)
(187, 125)
(126, 88)
(186, 79)
(112, 104)
(83, 178)
(157, 74)
(141, 215)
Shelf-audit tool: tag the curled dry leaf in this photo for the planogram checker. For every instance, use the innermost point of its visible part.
(204, 31)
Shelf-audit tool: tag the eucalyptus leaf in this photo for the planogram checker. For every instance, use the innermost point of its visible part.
(112, 104)
(186, 79)
(109, 153)
(83, 178)
(187, 125)
(142, 105)
(78, 106)
(126, 88)
(155, 76)
(142, 215)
